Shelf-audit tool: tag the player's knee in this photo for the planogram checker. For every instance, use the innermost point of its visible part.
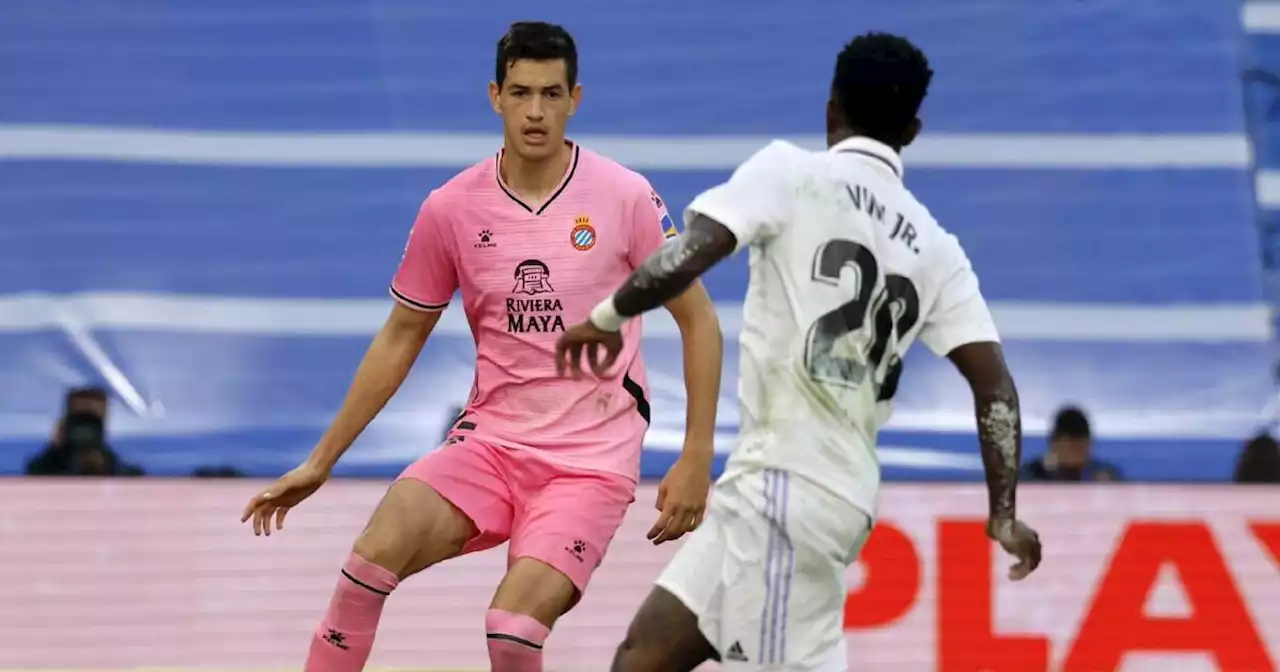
(412, 529)
(534, 588)
(633, 656)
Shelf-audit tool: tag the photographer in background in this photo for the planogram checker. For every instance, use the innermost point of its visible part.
(1070, 454)
(79, 446)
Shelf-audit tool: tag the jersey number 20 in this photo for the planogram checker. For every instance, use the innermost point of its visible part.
(892, 312)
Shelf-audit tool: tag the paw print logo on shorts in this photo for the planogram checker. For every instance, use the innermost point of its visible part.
(577, 549)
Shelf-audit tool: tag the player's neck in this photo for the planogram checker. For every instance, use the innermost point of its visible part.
(534, 180)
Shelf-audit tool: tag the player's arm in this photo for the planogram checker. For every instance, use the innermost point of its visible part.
(960, 326)
(384, 368)
(749, 208)
(995, 400)
(423, 286)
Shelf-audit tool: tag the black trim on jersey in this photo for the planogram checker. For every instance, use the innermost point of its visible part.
(464, 425)
(364, 585)
(877, 157)
(418, 304)
(633, 388)
(573, 168)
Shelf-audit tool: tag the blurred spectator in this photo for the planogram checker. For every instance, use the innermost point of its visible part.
(79, 446)
(1259, 462)
(1070, 454)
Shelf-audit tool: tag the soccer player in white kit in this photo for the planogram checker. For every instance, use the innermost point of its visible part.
(847, 270)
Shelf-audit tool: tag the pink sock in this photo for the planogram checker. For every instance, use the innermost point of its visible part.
(345, 636)
(515, 641)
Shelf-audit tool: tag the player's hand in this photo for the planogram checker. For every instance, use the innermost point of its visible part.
(585, 336)
(1018, 540)
(284, 494)
(682, 499)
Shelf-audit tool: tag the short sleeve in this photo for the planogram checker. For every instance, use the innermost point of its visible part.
(756, 202)
(960, 315)
(651, 225)
(427, 277)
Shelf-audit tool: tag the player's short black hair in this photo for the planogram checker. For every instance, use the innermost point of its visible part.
(1070, 423)
(536, 41)
(880, 82)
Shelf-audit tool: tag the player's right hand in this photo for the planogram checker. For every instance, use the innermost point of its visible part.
(587, 337)
(1018, 540)
(286, 493)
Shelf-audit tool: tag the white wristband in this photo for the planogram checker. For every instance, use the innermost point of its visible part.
(605, 316)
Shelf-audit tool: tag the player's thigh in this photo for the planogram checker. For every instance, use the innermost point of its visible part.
(678, 626)
(453, 500)
(664, 636)
(559, 539)
(781, 603)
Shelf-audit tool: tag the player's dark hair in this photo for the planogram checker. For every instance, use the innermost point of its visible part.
(880, 82)
(536, 41)
(1070, 423)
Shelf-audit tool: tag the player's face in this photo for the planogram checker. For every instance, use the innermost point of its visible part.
(535, 102)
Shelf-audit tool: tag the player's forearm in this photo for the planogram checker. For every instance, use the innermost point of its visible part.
(668, 272)
(703, 345)
(1000, 435)
(384, 368)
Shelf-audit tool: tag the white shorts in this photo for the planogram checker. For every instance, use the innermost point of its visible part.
(764, 573)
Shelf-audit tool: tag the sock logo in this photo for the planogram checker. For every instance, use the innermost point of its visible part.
(577, 549)
(337, 639)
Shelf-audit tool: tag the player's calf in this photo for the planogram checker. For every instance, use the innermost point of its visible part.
(412, 529)
(663, 637)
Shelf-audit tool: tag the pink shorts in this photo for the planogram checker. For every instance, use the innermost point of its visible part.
(561, 516)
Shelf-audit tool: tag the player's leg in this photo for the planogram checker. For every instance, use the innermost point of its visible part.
(803, 538)
(451, 501)
(764, 576)
(670, 631)
(558, 540)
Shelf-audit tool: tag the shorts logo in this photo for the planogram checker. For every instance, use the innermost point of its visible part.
(577, 549)
(583, 236)
(532, 277)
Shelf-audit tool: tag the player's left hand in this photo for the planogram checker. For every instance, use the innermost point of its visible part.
(682, 499)
(586, 336)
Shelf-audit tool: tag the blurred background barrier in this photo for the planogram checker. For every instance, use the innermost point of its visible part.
(202, 206)
(125, 574)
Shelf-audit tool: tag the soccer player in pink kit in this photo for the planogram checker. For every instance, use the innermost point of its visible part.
(533, 238)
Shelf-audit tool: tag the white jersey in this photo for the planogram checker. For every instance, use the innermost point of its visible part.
(847, 270)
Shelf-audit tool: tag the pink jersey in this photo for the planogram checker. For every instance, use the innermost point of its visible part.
(527, 271)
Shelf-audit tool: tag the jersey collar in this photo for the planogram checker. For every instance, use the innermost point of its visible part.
(878, 152)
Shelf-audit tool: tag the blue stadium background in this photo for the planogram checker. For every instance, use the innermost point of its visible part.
(225, 278)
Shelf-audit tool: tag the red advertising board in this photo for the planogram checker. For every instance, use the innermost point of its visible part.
(127, 574)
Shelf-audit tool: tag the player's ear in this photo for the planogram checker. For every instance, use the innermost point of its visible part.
(575, 98)
(494, 90)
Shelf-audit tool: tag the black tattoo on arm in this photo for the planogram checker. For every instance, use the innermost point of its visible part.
(999, 422)
(670, 270)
